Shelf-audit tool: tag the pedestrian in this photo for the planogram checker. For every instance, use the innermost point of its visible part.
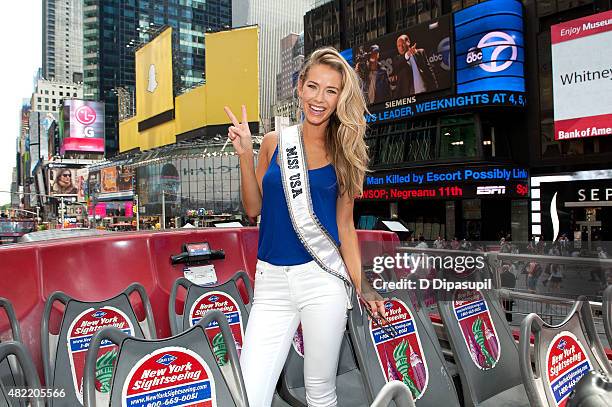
(507, 280)
(556, 277)
(531, 247)
(533, 274)
(307, 265)
(438, 243)
(550, 267)
(597, 273)
(505, 246)
(422, 243)
(455, 243)
(564, 245)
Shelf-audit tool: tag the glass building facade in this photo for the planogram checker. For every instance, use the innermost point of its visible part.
(189, 182)
(112, 31)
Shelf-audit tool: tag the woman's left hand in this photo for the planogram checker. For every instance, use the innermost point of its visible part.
(373, 300)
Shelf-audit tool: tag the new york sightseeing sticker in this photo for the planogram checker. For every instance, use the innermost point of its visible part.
(170, 377)
(401, 357)
(217, 300)
(80, 332)
(477, 329)
(566, 363)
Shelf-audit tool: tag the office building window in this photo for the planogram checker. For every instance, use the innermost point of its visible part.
(458, 137)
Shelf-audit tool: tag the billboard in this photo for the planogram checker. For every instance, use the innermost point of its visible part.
(46, 120)
(108, 180)
(406, 63)
(582, 77)
(81, 184)
(223, 62)
(93, 185)
(488, 64)
(154, 93)
(110, 183)
(62, 181)
(34, 141)
(82, 126)
(489, 47)
(125, 179)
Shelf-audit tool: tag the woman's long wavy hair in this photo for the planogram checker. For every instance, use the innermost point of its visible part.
(346, 129)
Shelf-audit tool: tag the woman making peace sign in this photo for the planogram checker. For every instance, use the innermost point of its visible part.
(308, 249)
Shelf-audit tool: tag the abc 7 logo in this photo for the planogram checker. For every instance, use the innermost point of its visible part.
(496, 43)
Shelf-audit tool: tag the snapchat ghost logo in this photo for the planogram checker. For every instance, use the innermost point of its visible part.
(152, 80)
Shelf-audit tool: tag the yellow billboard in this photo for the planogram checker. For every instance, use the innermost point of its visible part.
(232, 79)
(154, 77)
(232, 73)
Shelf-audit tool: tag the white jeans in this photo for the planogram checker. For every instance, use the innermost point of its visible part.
(284, 297)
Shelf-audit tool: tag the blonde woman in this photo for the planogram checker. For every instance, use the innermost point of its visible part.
(290, 287)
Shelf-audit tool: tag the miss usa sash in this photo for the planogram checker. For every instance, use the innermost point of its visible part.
(308, 228)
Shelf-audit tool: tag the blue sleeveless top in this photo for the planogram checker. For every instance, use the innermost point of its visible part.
(278, 242)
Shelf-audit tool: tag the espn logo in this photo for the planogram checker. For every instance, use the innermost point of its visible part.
(491, 190)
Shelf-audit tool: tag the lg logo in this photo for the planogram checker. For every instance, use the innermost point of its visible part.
(495, 42)
(89, 132)
(85, 115)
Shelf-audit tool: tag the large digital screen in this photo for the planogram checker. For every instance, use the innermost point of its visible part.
(582, 77)
(83, 126)
(110, 183)
(62, 181)
(445, 183)
(406, 63)
(489, 47)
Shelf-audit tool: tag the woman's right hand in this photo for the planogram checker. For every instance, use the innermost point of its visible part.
(239, 133)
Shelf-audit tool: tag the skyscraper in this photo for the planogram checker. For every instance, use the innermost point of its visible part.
(63, 40)
(276, 18)
(292, 59)
(113, 30)
(289, 65)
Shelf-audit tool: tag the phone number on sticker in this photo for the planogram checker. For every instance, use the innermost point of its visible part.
(173, 401)
(20, 393)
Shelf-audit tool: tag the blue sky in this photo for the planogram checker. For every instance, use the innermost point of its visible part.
(20, 48)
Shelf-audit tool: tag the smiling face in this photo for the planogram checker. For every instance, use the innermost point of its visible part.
(319, 93)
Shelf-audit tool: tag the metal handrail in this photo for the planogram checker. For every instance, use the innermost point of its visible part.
(507, 294)
(395, 391)
(512, 256)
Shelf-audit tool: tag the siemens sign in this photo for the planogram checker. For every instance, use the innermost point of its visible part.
(450, 103)
(489, 47)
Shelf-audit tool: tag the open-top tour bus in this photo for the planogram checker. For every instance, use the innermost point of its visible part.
(158, 319)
